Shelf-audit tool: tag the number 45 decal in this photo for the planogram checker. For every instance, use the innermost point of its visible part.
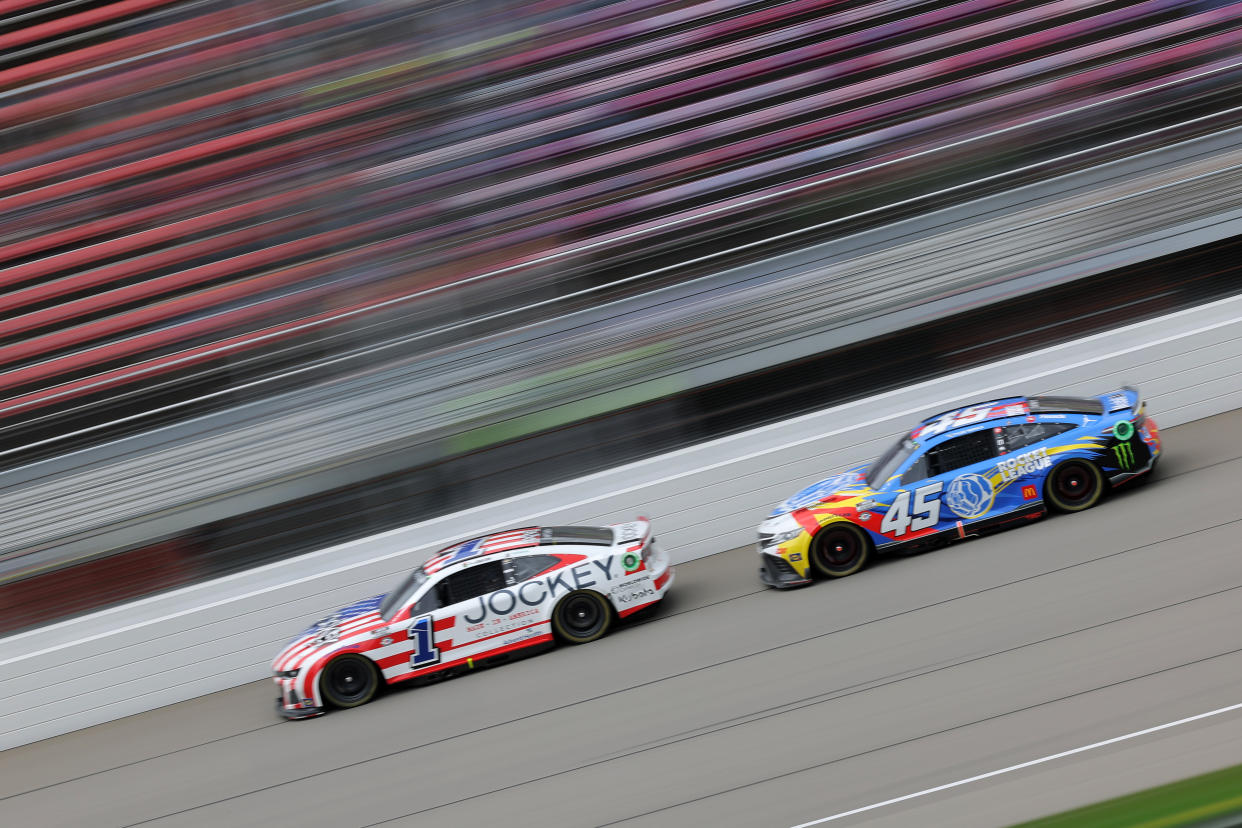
(903, 517)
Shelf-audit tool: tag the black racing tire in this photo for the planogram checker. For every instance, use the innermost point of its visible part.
(840, 549)
(1074, 486)
(581, 617)
(349, 680)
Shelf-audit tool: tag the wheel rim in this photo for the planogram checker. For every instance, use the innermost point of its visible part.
(582, 615)
(839, 550)
(349, 680)
(1073, 484)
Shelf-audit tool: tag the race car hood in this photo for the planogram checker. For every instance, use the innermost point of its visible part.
(356, 618)
(852, 481)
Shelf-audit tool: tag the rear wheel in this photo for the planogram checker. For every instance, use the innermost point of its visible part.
(1074, 485)
(349, 680)
(581, 617)
(840, 549)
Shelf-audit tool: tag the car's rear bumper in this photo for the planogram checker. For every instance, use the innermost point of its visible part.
(662, 575)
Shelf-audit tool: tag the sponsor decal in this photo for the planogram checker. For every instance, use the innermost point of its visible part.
(515, 601)
(634, 591)
(1028, 463)
(796, 556)
(631, 562)
(521, 636)
(969, 496)
(384, 642)
(1118, 401)
(1029, 493)
(1123, 453)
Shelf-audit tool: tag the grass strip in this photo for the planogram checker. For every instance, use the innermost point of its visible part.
(1188, 802)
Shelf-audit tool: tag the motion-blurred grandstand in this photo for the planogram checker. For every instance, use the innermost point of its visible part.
(280, 273)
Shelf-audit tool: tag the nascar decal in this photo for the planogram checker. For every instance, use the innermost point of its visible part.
(969, 496)
(1028, 463)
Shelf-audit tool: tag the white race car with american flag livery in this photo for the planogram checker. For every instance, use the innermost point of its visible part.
(473, 604)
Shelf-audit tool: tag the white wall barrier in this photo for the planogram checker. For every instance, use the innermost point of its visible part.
(703, 500)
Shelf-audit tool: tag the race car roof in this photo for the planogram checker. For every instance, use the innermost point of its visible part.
(515, 539)
(991, 404)
(970, 415)
(975, 414)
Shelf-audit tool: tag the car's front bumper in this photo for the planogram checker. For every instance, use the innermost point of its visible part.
(298, 712)
(776, 572)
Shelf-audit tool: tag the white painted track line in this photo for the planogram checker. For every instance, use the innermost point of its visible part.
(1041, 760)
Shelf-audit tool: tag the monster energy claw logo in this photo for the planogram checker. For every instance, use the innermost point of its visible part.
(1123, 453)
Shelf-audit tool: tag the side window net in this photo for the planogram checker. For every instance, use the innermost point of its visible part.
(961, 451)
(472, 582)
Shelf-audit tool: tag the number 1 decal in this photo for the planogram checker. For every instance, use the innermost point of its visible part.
(422, 636)
(898, 521)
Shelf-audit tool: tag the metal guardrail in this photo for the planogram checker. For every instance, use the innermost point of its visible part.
(220, 634)
(623, 352)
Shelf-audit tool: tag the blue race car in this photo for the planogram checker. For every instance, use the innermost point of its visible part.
(960, 474)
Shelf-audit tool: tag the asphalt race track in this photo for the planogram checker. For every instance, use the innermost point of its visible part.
(740, 706)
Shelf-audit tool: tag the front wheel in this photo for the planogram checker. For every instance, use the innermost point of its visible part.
(1074, 485)
(840, 549)
(349, 681)
(581, 617)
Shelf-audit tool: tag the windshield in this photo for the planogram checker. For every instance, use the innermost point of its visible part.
(403, 593)
(889, 461)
